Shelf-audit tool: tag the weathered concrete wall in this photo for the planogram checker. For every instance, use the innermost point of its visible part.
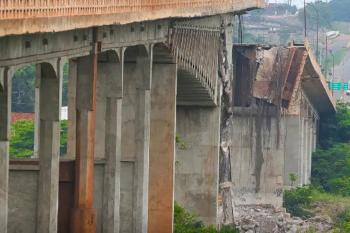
(257, 164)
(301, 140)
(162, 148)
(197, 161)
(293, 154)
(23, 197)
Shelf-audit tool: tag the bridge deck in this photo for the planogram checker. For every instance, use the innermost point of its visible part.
(30, 16)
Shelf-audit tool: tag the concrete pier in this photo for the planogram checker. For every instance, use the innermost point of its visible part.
(49, 144)
(258, 156)
(5, 119)
(197, 161)
(162, 148)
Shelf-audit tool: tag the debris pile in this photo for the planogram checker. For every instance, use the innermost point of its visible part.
(267, 219)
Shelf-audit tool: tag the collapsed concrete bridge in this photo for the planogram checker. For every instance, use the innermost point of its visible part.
(141, 74)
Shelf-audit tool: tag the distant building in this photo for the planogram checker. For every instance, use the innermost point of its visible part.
(17, 116)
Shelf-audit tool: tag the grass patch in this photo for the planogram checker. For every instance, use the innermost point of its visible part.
(306, 202)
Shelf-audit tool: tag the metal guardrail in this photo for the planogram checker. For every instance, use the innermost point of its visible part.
(24, 9)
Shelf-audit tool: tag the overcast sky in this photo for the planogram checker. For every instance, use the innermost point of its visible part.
(299, 3)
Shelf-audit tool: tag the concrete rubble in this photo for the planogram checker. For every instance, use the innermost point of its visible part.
(268, 219)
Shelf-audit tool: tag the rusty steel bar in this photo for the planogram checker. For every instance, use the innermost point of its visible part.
(15, 9)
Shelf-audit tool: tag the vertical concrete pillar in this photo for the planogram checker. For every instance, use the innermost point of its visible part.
(314, 130)
(293, 150)
(49, 144)
(72, 93)
(111, 77)
(37, 116)
(84, 215)
(135, 141)
(5, 119)
(304, 158)
(302, 151)
(197, 160)
(142, 139)
(162, 148)
(310, 149)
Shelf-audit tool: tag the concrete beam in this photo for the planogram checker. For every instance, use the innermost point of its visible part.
(5, 119)
(162, 148)
(49, 144)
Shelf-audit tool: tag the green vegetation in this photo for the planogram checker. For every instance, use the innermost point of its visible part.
(297, 202)
(22, 138)
(185, 222)
(329, 194)
(180, 143)
(331, 162)
(292, 178)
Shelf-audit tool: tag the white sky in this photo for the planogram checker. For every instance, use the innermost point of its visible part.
(299, 3)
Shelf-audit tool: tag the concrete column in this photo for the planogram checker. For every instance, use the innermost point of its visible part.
(5, 120)
(135, 139)
(162, 148)
(306, 151)
(49, 145)
(142, 139)
(197, 160)
(301, 154)
(84, 215)
(314, 130)
(37, 116)
(111, 79)
(311, 150)
(293, 150)
(72, 93)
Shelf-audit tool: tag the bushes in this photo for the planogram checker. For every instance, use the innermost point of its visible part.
(185, 222)
(343, 222)
(297, 201)
(22, 138)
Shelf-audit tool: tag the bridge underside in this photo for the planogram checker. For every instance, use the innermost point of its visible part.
(128, 99)
(144, 125)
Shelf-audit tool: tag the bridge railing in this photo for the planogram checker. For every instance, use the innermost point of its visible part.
(23, 9)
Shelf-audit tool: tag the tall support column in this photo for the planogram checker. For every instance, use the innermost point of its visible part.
(310, 150)
(37, 116)
(5, 118)
(72, 94)
(49, 144)
(84, 215)
(142, 137)
(162, 148)
(306, 149)
(302, 150)
(111, 77)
